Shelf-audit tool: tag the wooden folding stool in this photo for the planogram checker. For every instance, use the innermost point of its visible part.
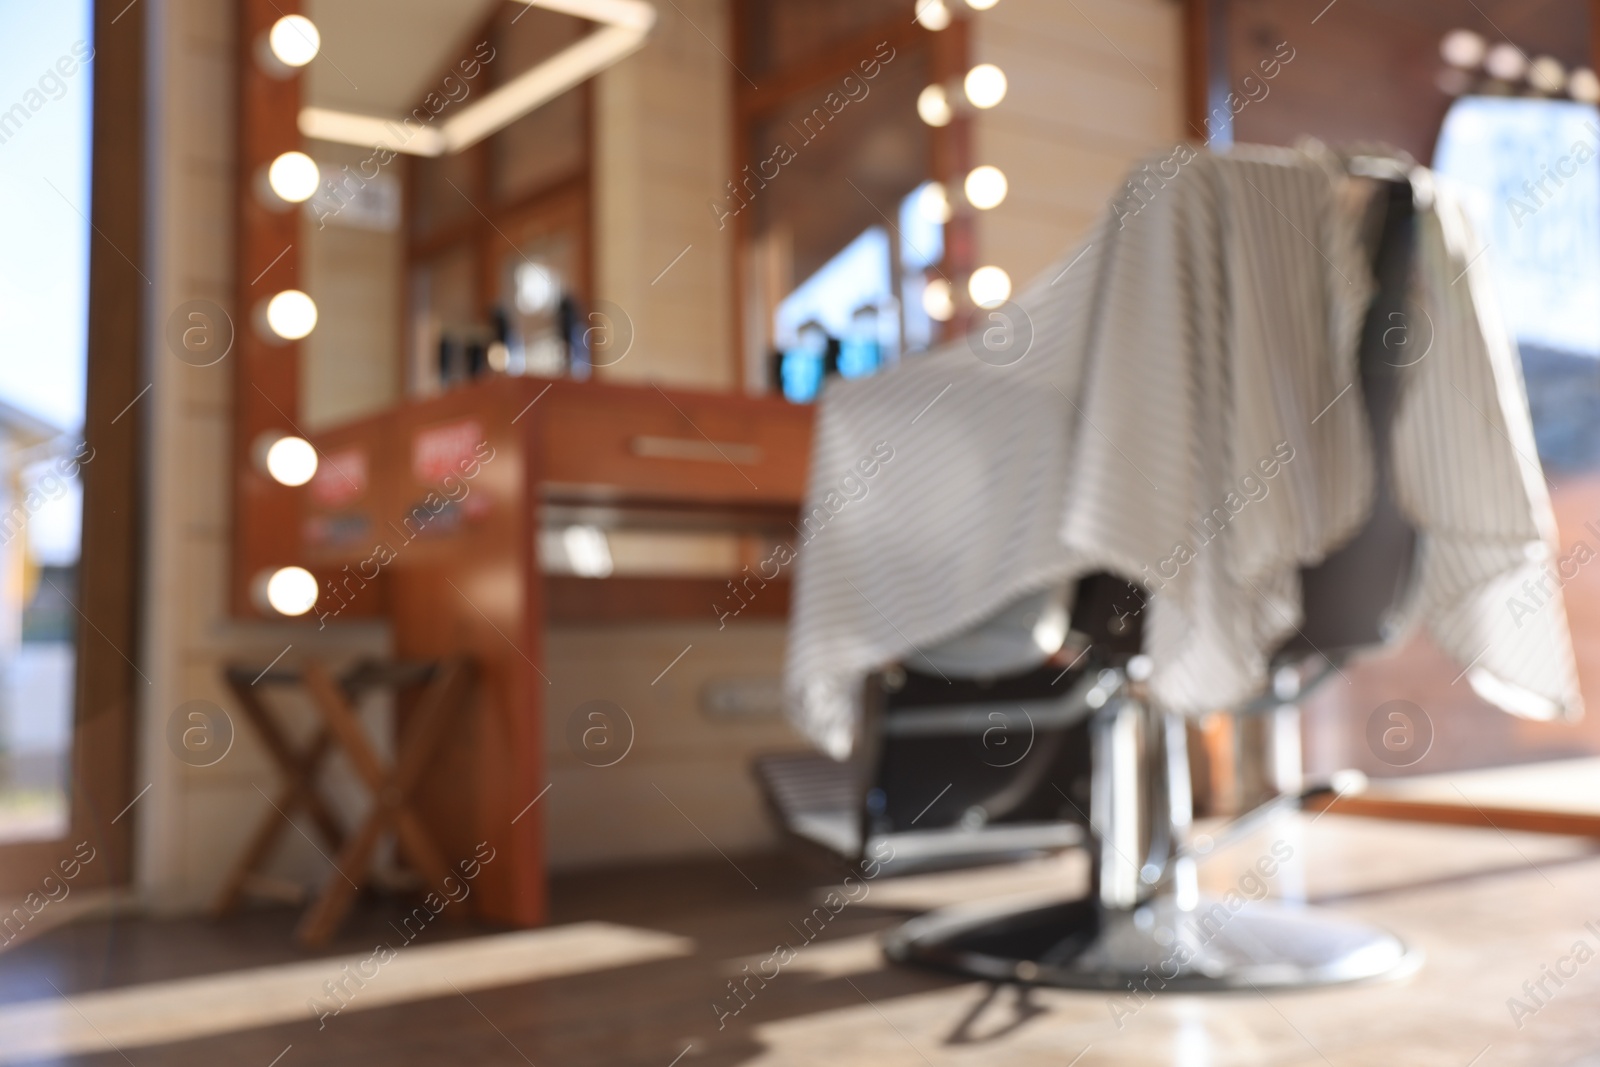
(446, 686)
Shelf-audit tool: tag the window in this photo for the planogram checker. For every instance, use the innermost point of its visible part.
(44, 287)
(1529, 172)
(837, 232)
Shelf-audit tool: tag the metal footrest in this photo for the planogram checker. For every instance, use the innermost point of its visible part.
(1154, 948)
(818, 800)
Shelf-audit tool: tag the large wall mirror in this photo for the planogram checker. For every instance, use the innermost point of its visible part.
(409, 220)
(431, 269)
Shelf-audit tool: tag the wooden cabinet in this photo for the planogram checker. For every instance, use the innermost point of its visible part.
(430, 514)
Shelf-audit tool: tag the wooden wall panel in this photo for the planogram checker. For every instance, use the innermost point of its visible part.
(1094, 87)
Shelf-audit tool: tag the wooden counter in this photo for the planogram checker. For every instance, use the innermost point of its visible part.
(429, 515)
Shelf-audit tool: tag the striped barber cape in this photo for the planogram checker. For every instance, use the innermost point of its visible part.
(1178, 403)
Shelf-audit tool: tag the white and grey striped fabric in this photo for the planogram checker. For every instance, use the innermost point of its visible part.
(1467, 472)
(1182, 354)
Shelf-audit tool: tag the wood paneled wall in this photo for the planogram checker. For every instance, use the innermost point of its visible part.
(1095, 86)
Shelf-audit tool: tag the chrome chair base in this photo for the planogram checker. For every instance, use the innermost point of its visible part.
(1154, 948)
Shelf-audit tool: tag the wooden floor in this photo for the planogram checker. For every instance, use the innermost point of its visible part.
(1490, 910)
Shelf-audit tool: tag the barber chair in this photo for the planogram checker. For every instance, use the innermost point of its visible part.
(1145, 921)
(1105, 759)
(970, 756)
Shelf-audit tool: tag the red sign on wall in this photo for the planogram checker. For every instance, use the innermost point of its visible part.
(341, 478)
(449, 448)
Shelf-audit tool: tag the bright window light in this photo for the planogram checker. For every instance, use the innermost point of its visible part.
(921, 247)
(294, 40)
(989, 287)
(1528, 175)
(291, 461)
(537, 287)
(291, 591)
(294, 177)
(933, 203)
(986, 187)
(986, 85)
(587, 550)
(858, 275)
(291, 315)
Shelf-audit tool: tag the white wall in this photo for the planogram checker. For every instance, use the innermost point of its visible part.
(680, 755)
(664, 146)
(192, 822)
(348, 366)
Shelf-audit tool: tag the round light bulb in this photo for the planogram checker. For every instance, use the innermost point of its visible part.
(1506, 62)
(938, 301)
(1584, 86)
(933, 14)
(291, 461)
(291, 314)
(1547, 75)
(986, 187)
(1463, 48)
(989, 287)
(291, 591)
(981, 5)
(986, 85)
(934, 106)
(294, 177)
(933, 203)
(294, 40)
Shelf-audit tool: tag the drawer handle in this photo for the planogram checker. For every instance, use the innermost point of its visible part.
(689, 448)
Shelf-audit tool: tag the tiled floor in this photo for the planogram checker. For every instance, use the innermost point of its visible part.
(635, 970)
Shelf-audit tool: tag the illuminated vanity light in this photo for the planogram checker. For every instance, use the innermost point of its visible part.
(933, 203)
(989, 287)
(981, 5)
(291, 461)
(1463, 49)
(933, 105)
(624, 26)
(986, 187)
(1547, 75)
(933, 15)
(498, 356)
(1506, 62)
(291, 315)
(294, 40)
(985, 85)
(291, 591)
(938, 300)
(1583, 86)
(294, 177)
